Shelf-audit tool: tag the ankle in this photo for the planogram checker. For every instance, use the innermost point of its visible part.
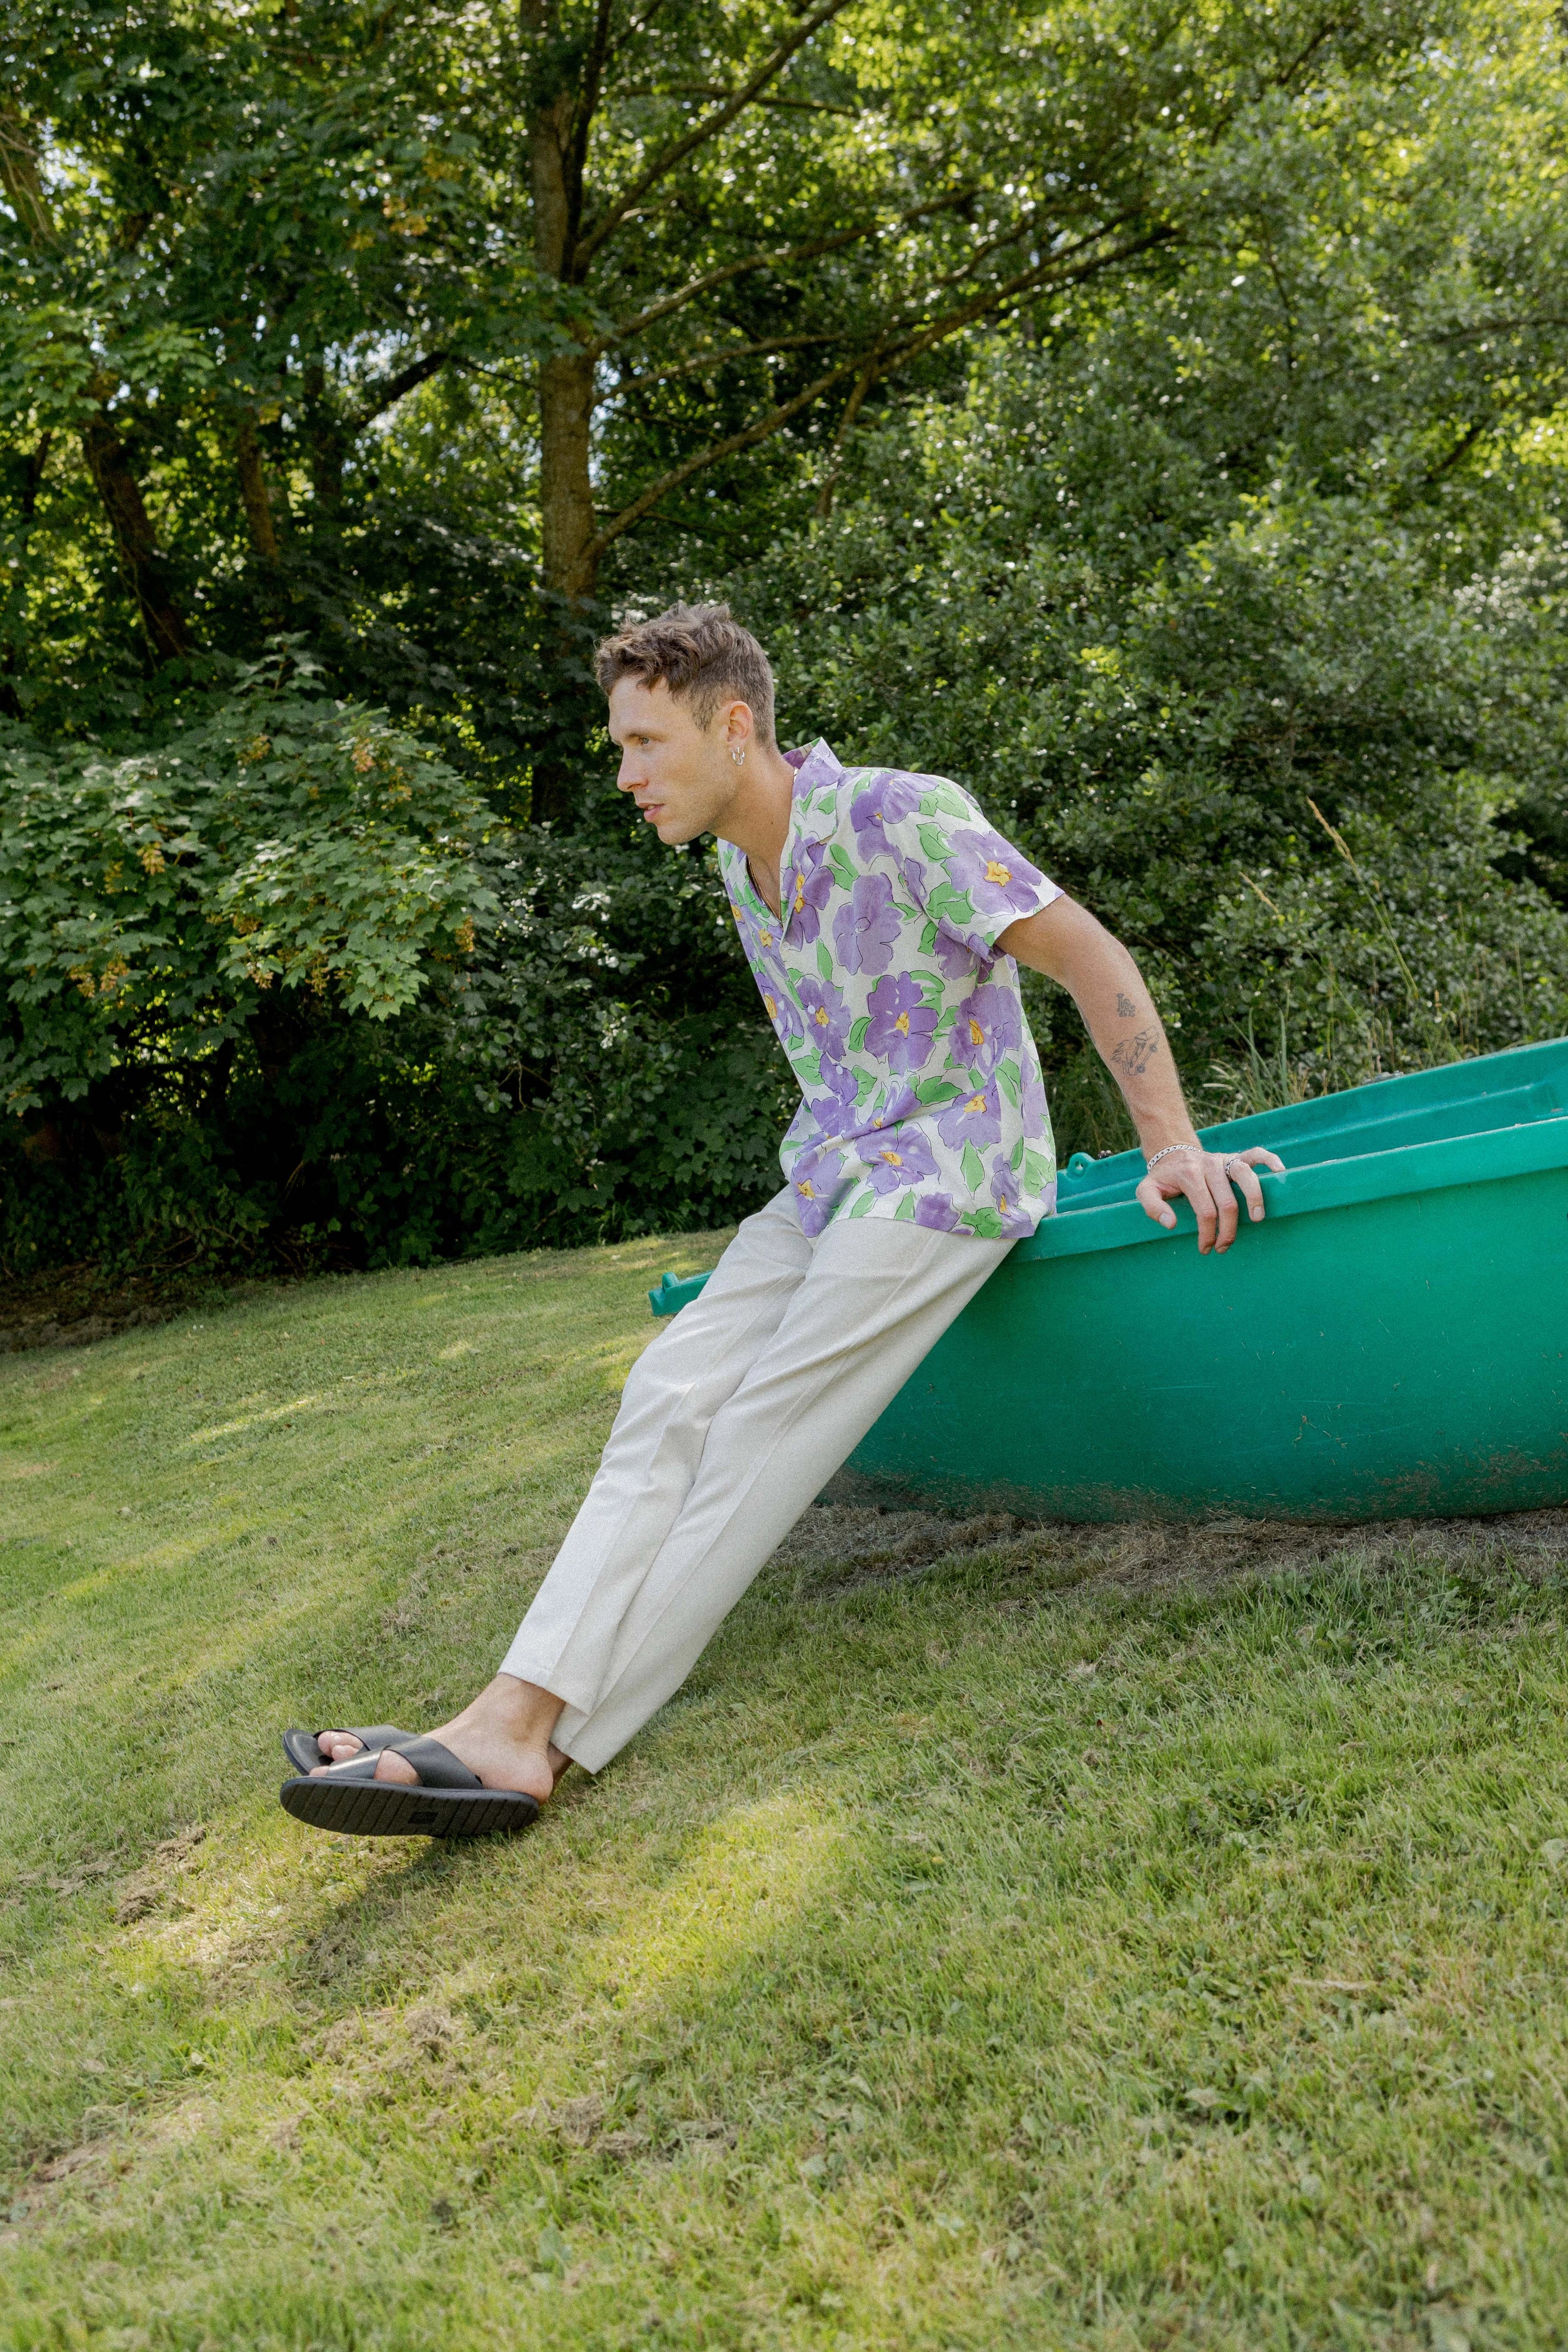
(519, 1711)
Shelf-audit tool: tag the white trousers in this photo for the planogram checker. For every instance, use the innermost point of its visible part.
(733, 1420)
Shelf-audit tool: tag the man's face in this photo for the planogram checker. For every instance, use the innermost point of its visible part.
(680, 775)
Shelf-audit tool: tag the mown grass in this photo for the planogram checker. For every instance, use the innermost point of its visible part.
(1015, 1952)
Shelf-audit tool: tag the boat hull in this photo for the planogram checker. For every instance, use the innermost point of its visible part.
(1317, 1372)
(1391, 1343)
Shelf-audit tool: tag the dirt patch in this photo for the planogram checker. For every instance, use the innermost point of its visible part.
(842, 1547)
(72, 1305)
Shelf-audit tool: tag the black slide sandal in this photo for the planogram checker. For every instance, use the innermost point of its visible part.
(449, 1801)
(303, 1748)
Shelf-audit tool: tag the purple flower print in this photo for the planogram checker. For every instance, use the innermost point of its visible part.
(866, 929)
(900, 1102)
(999, 880)
(900, 1157)
(1006, 1189)
(885, 799)
(901, 1025)
(781, 1010)
(989, 1024)
(807, 889)
(973, 1119)
(958, 960)
(936, 1213)
(826, 1017)
(815, 1183)
(1035, 1110)
(834, 1108)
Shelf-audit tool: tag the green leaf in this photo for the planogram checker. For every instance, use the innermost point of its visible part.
(857, 1028)
(823, 961)
(905, 1213)
(974, 1168)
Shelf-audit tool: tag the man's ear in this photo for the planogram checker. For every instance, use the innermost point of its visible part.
(740, 726)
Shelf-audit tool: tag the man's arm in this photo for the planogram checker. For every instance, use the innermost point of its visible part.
(1066, 942)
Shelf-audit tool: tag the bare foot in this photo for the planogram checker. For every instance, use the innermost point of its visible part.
(503, 1735)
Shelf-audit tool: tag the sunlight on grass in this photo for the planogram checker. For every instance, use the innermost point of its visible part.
(746, 1874)
(1001, 1957)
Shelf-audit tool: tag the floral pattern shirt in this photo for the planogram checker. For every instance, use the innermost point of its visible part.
(923, 1098)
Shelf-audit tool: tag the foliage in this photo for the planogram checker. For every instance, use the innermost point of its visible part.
(1257, 513)
(1093, 1938)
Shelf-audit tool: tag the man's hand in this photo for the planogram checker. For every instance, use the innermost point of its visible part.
(1206, 1178)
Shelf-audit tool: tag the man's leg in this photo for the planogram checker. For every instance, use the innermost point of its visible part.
(877, 1297)
(674, 1389)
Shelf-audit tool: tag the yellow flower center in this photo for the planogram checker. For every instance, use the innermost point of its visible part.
(1001, 1203)
(903, 1024)
(977, 1033)
(772, 1004)
(820, 1016)
(806, 1189)
(894, 1158)
(799, 893)
(995, 872)
(766, 938)
(976, 1102)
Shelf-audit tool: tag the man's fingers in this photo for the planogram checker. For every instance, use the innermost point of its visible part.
(1251, 1191)
(1153, 1203)
(1194, 1183)
(1224, 1202)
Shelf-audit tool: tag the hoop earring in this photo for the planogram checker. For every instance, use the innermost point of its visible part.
(738, 755)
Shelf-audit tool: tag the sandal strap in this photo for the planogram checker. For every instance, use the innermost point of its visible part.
(436, 1766)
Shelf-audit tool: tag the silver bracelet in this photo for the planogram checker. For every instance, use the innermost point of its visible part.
(1173, 1147)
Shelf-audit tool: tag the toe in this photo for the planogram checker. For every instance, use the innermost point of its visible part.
(338, 1746)
(390, 1766)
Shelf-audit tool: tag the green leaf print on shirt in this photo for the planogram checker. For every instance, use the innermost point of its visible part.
(974, 1168)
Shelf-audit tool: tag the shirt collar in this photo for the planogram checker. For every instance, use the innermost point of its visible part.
(814, 764)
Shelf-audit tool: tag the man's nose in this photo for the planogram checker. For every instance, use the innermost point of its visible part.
(629, 776)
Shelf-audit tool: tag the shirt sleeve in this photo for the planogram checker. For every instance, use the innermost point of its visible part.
(970, 881)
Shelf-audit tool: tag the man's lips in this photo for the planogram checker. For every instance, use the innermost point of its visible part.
(651, 810)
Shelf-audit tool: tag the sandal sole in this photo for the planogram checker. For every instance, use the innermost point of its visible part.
(382, 1809)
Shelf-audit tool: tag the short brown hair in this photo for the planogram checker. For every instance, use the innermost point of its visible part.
(701, 653)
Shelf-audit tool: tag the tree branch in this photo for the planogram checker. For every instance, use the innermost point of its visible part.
(388, 395)
(880, 360)
(716, 89)
(781, 258)
(701, 133)
(720, 357)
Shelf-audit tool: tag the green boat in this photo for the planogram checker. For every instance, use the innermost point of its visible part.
(1391, 1343)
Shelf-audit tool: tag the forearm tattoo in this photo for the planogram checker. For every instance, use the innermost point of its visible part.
(1131, 1056)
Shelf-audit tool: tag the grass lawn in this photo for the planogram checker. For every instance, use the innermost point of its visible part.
(1010, 1937)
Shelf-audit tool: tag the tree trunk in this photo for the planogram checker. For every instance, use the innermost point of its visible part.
(134, 537)
(253, 491)
(101, 443)
(566, 490)
(565, 382)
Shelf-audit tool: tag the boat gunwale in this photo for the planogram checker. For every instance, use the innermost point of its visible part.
(1490, 1155)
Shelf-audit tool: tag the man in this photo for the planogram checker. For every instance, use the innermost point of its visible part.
(884, 920)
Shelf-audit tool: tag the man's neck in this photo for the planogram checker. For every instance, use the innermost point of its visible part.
(757, 819)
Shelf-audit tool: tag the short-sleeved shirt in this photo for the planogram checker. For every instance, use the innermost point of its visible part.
(904, 1026)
